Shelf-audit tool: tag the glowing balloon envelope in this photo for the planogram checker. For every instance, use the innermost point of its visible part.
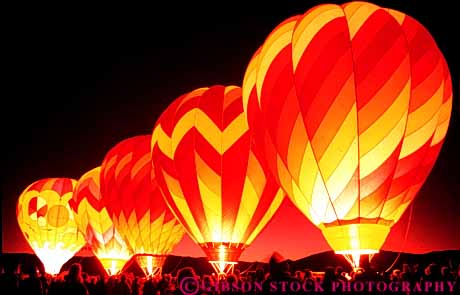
(47, 222)
(135, 203)
(352, 103)
(94, 221)
(212, 175)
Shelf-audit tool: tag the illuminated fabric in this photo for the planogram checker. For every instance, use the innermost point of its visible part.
(48, 223)
(352, 103)
(94, 221)
(133, 199)
(211, 174)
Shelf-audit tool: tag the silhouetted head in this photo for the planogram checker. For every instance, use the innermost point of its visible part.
(299, 274)
(406, 268)
(445, 271)
(329, 273)
(208, 280)
(75, 272)
(29, 269)
(123, 278)
(435, 270)
(308, 274)
(231, 278)
(186, 272)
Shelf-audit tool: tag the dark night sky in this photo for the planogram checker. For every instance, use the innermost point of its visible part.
(84, 80)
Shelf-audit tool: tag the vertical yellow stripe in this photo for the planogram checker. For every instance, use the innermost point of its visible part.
(320, 200)
(248, 205)
(210, 185)
(296, 148)
(308, 173)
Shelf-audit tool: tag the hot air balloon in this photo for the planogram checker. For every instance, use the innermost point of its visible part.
(352, 103)
(47, 222)
(211, 174)
(134, 201)
(95, 223)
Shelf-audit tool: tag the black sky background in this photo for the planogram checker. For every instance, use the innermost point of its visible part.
(81, 79)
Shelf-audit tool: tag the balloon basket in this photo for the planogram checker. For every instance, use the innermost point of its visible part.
(113, 266)
(151, 264)
(223, 255)
(354, 257)
(223, 268)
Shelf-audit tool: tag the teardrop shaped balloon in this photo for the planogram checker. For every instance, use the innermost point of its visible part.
(48, 223)
(352, 103)
(95, 223)
(135, 203)
(211, 173)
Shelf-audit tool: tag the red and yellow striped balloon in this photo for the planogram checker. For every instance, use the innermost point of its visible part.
(48, 223)
(134, 201)
(352, 103)
(211, 174)
(95, 223)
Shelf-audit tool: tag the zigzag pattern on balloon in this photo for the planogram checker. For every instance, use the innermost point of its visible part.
(93, 219)
(213, 181)
(356, 100)
(133, 199)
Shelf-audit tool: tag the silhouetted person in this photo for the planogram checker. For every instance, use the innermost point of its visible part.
(234, 284)
(447, 275)
(208, 281)
(279, 280)
(417, 272)
(122, 287)
(339, 274)
(135, 286)
(9, 279)
(164, 283)
(149, 287)
(73, 283)
(186, 272)
(100, 286)
(308, 279)
(32, 284)
(457, 281)
(434, 273)
(329, 279)
(56, 286)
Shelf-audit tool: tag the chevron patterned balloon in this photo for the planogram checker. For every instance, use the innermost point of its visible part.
(94, 221)
(352, 103)
(48, 223)
(212, 175)
(134, 201)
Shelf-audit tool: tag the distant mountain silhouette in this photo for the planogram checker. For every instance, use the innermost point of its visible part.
(381, 261)
(316, 262)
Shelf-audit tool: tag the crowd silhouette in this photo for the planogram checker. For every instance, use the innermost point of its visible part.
(278, 279)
